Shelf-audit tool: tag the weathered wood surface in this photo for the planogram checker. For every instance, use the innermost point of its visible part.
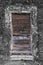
(21, 23)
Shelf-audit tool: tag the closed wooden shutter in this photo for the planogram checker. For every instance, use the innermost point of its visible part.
(21, 26)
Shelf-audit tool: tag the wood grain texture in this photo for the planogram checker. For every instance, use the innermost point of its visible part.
(21, 23)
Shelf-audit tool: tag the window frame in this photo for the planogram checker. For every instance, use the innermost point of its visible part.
(8, 25)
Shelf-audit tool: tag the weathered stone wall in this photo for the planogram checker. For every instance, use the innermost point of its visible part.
(39, 4)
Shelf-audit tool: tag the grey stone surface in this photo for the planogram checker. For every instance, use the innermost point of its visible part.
(39, 4)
